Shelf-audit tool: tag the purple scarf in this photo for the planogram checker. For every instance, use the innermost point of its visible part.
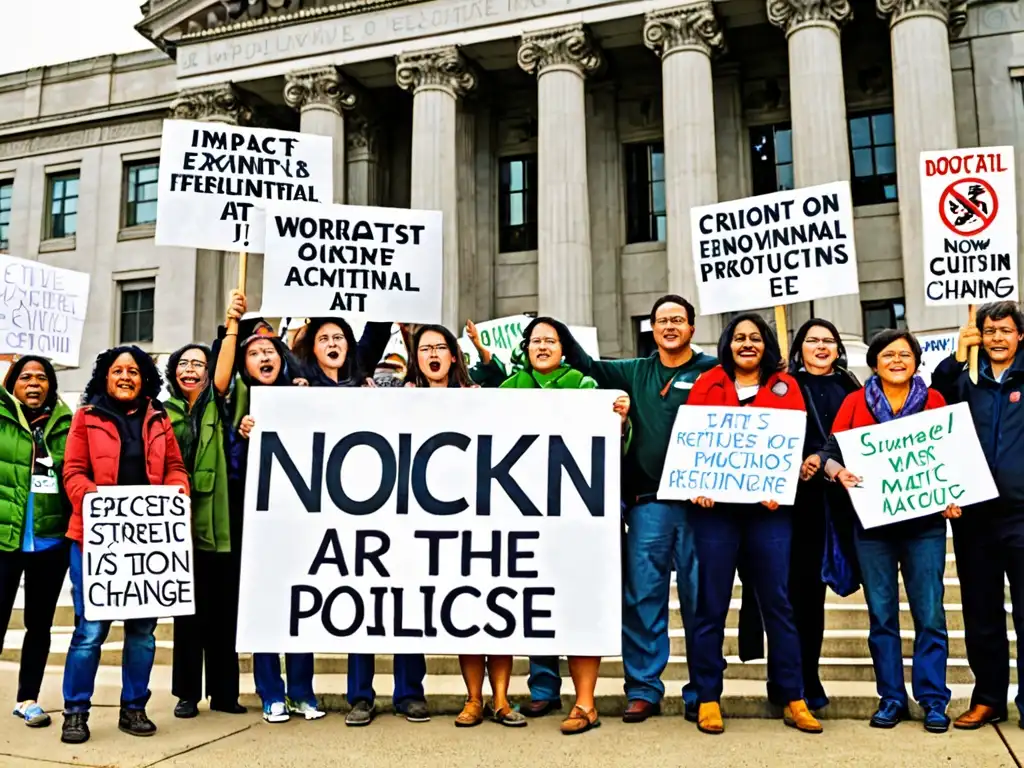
(879, 405)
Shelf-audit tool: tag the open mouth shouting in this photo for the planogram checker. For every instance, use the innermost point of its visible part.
(435, 366)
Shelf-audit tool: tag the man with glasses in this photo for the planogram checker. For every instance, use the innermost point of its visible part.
(989, 537)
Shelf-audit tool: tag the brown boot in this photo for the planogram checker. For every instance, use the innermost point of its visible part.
(709, 718)
(797, 715)
(977, 716)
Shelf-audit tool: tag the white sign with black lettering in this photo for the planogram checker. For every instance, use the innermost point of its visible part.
(137, 553)
(376, 264)
(782, 248)
(215, 180)
(435, 521)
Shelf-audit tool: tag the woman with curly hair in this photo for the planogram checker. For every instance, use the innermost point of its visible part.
(120, 436)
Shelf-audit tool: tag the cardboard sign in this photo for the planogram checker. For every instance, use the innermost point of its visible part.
(935, 347)
(377, 264)
(436, 521)
(969, 226)
(916, 465)
(42, 310)
(738, 455)
(137, 553)
(215, 180)
(767, 250)
(502, 337)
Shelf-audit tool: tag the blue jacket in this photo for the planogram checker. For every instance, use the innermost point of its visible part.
(997, 408)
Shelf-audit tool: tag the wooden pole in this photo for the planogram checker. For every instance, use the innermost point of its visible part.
(972, 355)
(782, 331)
(243, 268)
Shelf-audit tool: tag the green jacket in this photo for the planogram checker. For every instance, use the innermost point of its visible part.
(211, 525)
(17, 455)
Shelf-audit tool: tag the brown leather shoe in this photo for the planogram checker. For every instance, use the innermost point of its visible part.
(977, 716)
(639, 710)
(580, 720)
(709, 718)
(797, 715)
(540, 708)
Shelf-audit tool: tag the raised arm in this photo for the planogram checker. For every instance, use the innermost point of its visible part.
(609, 374)
(370, 347)
(229, 345)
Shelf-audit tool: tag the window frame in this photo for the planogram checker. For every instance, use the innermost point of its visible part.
(645, 223)
(870, 190)
(508, 242)
(140, 286)
(128, 187)
(6, 185)
(897, 319)
(757, 177)
(52, 178)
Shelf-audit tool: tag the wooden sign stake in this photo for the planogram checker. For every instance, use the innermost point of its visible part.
(243, 268)
(782, 332)
(972, 355)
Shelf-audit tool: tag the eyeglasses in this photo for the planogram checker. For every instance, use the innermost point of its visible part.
(430, 349)
(678, 320)
(888, 357)
(338, 338)
(754, 339)
(549, 341)
(811, 341)
(198, 365)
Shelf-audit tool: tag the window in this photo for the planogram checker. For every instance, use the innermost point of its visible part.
(136, 312)
(873, 158)
(6, 197)
(880, 315)
(63, 196)
(771, 153)
(645, 193)
(517, 203)
(140, 195)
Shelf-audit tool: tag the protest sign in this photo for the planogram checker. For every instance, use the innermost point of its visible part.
(969, 226)
(771, 250)
(42, 310)
(435, 521)
(377, 264)
(916, 465)
(137, 553)
(935, 347)
(215, 180)
(738, 455)
(502, 336)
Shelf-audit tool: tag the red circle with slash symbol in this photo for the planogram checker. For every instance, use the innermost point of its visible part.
(968, 206)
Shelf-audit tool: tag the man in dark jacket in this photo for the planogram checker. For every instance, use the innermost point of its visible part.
(989, 537)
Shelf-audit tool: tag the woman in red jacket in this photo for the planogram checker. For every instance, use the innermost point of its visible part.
(120, 436)
(750, 373)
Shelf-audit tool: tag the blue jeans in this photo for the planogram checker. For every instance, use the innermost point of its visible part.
(659, 540)
(763, 539)
(410, 669)
(923, 562)
(266, 670)
(83, 659)
(545, 679)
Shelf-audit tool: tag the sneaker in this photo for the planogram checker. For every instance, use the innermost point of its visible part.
(362, 713)
(135, 722)
(186, 709)
(415, 711)
(76, 728)
(275, 712)
(304, 708)
(33, 715)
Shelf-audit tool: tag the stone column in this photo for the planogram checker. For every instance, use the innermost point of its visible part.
(685, 38)
(922, 83)
(322, 96)
(437, 78)
(364, 183)
(562, 58)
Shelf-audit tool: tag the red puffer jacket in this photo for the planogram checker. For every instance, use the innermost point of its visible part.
(94, 448)
(714, 387)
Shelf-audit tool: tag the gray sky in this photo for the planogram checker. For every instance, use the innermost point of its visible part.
(41, 32)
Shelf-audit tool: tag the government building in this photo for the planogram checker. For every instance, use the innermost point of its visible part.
(565, 142)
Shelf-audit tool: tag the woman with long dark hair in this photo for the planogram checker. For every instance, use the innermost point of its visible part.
(435, 359)
(331, 356)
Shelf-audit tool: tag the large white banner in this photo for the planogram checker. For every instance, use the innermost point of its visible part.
(215, 180)
(377, 264)
(782, 248)
(432, 521)
(738, 455)
(502, 336)
(916, 466)
(137, 553)
(42, 310)
(969, 225)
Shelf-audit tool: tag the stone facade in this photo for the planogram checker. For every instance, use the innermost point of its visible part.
(435, 104)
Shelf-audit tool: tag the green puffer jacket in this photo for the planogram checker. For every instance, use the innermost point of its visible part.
(211, 523)
(17, 454)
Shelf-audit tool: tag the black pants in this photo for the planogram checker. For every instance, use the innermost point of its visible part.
(807, 590)
(210, 633)
(989, 542)
(44, 576)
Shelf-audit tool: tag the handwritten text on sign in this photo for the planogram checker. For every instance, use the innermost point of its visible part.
(215, 180)
(42, 310)
(916, 466)
(739, 455)
(502, 337)
(781, 248)
(969, 209)
(137, 553)
(434, 521)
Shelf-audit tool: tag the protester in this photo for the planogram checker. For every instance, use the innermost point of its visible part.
(489, 371)
(34, 511)
(195, 413)
(265, 362)
(330, 355)
(988, 538)
(916, 548)
(659, 538)
(435, 360)
(541, 347)
(120, 436)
